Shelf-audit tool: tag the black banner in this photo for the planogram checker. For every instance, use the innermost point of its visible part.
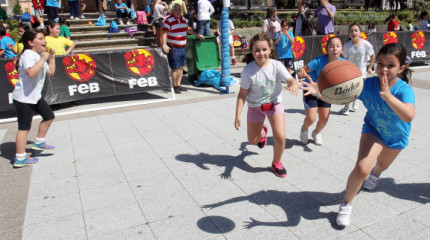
(82, 76)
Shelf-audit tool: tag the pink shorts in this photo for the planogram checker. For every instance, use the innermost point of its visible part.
(255, 114)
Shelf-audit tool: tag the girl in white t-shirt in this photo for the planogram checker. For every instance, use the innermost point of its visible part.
(261, 87)
(230, 38)
(33, 64)
(357, 51)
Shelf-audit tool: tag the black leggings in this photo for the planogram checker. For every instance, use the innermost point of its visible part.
(25, 112)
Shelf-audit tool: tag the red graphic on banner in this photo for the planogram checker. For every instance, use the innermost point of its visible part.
(299, 47)
(363, 35)
(390, 37)
(80, 67)
(139, 61)
(324, 41)
(418, 40)
(11, 72)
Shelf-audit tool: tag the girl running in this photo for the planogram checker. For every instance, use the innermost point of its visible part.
(33, 65)
(314, 104)
(357, 51)
(390, 103)
(261, 87)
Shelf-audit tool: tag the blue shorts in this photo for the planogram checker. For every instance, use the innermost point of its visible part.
(287, 62)
(311, 101)
(177, 57)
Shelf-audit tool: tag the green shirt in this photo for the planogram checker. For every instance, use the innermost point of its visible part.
(64, 31)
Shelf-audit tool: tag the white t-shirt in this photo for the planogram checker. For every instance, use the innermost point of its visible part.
(358, 54)
(230, 27)
(29, 90)
(158, 12)
(264, 84)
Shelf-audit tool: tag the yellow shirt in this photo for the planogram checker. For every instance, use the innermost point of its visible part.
(58, 44)
(18, 47)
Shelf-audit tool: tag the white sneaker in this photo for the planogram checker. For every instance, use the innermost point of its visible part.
(344, 216)
(71, 17)
(317, 138)
(120, 21)
(303, 136)
(345, 111)
(355, 104)
(82, 16)
(128, 22)
(371, 182)
(40, 27)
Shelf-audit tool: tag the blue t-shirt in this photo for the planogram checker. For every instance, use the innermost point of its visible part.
(284, 46)
(317, 65)
(4, 42)
(52, 3)
(380, 120)
(121, 5)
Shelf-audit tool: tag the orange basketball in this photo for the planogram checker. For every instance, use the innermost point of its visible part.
(340, 82)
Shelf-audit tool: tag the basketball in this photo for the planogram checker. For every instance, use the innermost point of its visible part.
(340, 82)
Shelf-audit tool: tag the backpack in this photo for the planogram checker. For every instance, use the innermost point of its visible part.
(26, 17)
(132, 13)
(113, 27)
(141, 17)
(101, 21)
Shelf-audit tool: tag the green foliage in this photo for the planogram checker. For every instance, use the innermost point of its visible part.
(17, 10)
(419, 6)
(13, 29)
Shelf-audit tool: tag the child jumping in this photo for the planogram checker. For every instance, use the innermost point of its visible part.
(262, 89)
(357, 51)
(314, 104)
(284, 41)
(33, 65)
(390, 103)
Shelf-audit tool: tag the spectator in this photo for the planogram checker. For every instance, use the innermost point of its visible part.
(64, 30)
(82, 7)
(56, 42)
(174, 39)
(393, 24)
(205, 10)
(122, 12)
(325, 14)
(17, 49)
(366, 5)
(159, 10)
(99, 6)
(284, 41)
(182, 4)
(304, 24)
(74, 9)
(272, 24)
(398, 5)
(51, 9)
(230, 38)
(6, 44)
(371, 27)
(424, 16)
(39, 8)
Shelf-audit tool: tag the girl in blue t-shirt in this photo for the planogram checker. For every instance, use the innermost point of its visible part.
(284, 41)
(390, 103)
(314, 104)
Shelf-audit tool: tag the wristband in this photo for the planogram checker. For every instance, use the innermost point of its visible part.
(317, 95)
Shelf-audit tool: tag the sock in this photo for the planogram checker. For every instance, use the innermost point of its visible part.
(21, 156)
(39, 140)
(233, 57)
(345, 204)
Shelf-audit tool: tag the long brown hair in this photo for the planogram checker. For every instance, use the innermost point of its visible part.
(258, 37)
(400, 53)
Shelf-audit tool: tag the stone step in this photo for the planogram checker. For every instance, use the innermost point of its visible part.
(87, 29)
(104, 36)
(112, 42)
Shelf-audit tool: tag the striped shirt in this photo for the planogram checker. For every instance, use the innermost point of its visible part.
(176, 30)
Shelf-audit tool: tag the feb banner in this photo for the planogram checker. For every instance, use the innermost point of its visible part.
(82, 76)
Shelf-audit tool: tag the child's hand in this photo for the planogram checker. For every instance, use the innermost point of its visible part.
(45, 55)
(294, 88)
(369, 70)
(311, 87)
(237, 122)
(10, 46)
(385, 88)
(51, 53)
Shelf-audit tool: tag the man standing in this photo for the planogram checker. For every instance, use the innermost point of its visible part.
(175, 29)
(325, 14)
(304, 24)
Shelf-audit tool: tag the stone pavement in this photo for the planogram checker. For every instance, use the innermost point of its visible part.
(179, 170)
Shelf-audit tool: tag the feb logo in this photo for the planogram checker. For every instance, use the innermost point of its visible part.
(11, 72)
(299, 47)
(80, 67)
(418, 40)
(363, 35)
(324, 42)
(390, 37)
(139, 61)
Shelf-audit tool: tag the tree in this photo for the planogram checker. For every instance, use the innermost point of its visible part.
(419, 6)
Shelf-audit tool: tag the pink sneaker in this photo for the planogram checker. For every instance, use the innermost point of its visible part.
(263, 140)
(279, 169)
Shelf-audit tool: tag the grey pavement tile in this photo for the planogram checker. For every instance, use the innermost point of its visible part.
(123, 215)
(68, 227)
(335, 165)
(88, 148)
(165, 151)
(395, 228)
(262, 232)
(96, 165)
(262, 181)
(164, 137)
(100, 178)
(47, 171)
(134, 233)
(144, 168)
(60, 186)
(420, 182)
(86, 127)
(357, 235)
(316, 223)
(401, 169)
(11, 234)
(43, 208)
(105, 196)
(192, 225)
(420, 214)
(325, 189)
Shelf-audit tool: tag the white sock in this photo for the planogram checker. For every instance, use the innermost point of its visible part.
(21, 156)
(39, 140)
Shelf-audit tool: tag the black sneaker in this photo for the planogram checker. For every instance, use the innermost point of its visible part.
(176, 90)
(279, 169)
(182, 89)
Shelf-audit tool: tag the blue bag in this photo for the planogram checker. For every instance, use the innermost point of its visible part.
(101, 21)
(113, 27)
(209, 77)
(26, 17)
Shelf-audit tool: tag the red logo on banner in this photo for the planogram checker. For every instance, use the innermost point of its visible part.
(11, 72)
(418, 40)
(80, 67)
(363, 35)
(299, 47)
(139, 61)
(390, 37)
(324, 42)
